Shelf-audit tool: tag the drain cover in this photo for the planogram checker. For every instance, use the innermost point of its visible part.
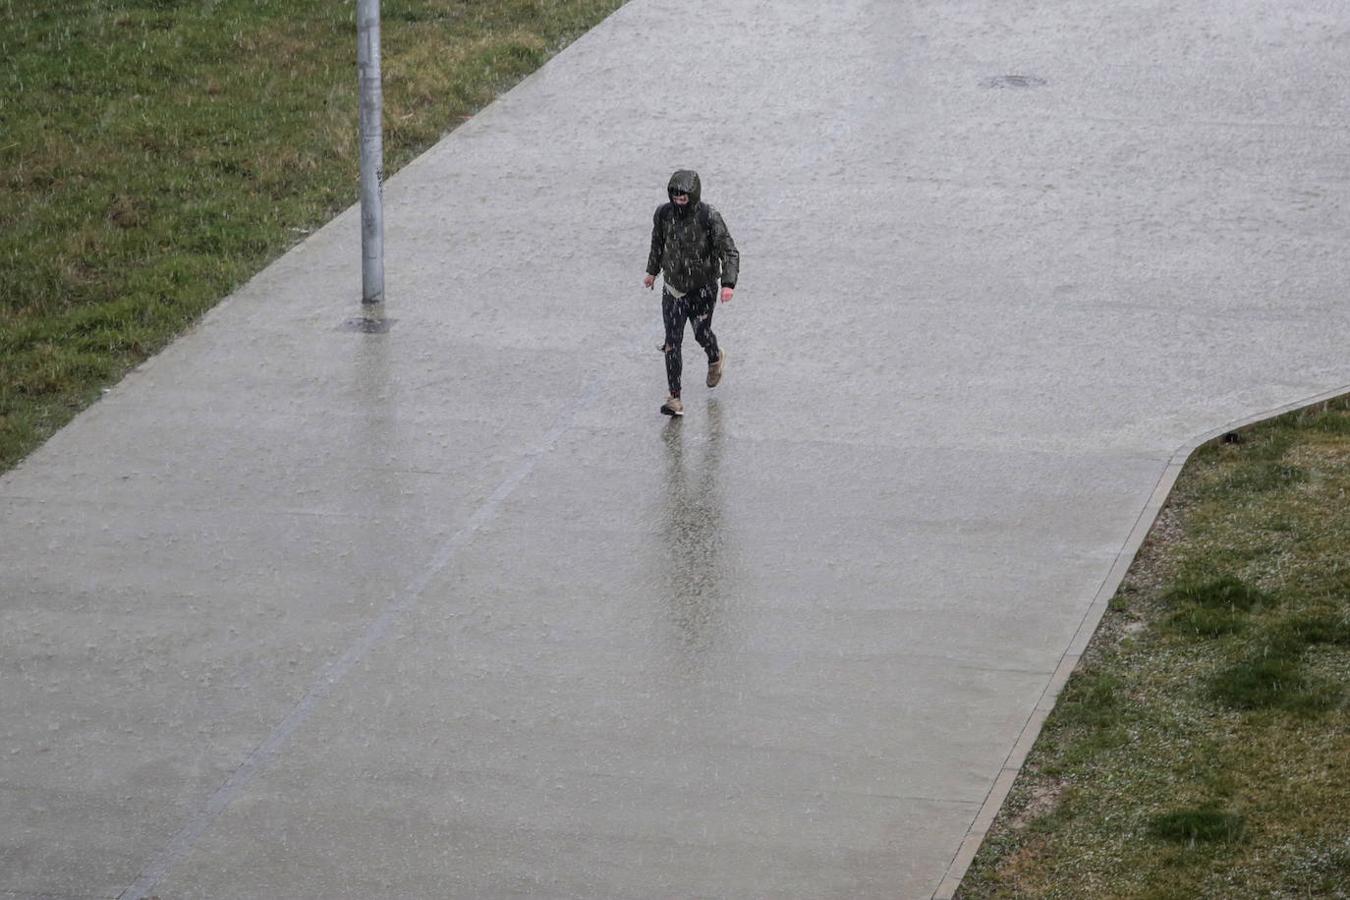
(1013, 81)
(367, 325)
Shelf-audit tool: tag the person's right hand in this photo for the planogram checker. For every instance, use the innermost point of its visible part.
(649, 281)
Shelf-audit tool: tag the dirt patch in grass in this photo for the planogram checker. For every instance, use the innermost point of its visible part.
(1042, 798)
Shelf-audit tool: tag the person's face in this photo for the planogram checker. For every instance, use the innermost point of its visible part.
(680, 199)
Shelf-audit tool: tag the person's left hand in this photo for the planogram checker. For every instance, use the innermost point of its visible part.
(726, 294)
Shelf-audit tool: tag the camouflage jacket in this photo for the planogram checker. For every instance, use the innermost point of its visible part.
(691, 246)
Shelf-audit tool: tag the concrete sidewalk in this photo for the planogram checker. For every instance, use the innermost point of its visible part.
(451, 611)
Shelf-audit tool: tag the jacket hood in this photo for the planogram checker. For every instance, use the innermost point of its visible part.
(686, 181)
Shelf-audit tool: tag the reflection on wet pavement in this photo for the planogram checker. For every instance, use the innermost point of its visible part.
(692, 548)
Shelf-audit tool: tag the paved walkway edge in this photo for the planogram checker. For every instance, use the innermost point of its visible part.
(993, 802)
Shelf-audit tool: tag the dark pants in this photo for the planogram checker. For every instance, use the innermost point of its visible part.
(695, 307)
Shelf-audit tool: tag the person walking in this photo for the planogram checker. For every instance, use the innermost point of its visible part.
(692, 250)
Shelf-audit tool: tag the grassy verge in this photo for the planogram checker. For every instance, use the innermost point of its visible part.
(156, 153)
(1202, 748)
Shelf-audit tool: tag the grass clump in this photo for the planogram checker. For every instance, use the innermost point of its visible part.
(1272, 680)
(1316, 628)
(1192, 826)
(1213, 607)
(1207, 622)
(1092, 701)
(1199, 748)
(1225, 592)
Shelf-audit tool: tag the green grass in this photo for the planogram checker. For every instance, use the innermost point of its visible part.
(1273, 677)
(1227, 593)
(1201, 749)
(154, 154)
(1193, 826)
(1213, 607)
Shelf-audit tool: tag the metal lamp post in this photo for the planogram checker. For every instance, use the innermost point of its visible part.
(372, 151)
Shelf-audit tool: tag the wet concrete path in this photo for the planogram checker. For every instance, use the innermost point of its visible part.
(451, 611)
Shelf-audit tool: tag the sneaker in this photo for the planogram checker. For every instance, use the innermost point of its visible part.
(715, 369)
(673, 407)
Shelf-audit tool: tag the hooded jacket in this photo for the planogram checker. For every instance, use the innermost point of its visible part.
(691, 246)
